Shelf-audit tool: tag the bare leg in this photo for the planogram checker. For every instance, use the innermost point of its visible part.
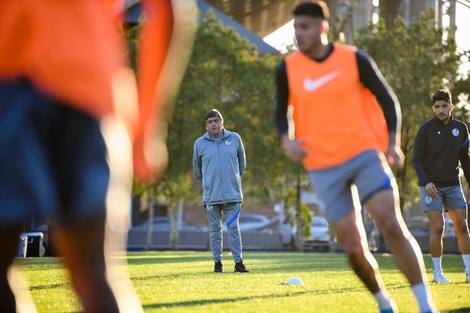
(82, 247)
(354, 243)
(436, 218)
(384, 208)
(459, 217)
(8, 247)
(118, 209)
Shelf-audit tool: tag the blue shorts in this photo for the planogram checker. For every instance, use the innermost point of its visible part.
(448, 198)
(368, 172)
(52, 158)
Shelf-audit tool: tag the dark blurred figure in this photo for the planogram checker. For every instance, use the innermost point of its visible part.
(70, 126)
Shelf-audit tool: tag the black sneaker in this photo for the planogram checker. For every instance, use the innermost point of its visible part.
(218, 267)
(240, 268)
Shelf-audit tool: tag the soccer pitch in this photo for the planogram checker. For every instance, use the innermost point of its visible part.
(183, 281)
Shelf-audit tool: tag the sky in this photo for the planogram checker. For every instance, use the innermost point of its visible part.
(284, 36)
(462, 35)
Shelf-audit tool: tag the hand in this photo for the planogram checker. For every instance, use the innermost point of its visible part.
(294, 149)
(150, 159)
(394, 156)
(431, 190)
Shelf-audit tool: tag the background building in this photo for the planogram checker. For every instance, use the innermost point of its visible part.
(256, 19)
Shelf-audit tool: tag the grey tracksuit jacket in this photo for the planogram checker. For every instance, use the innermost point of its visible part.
(219, 166)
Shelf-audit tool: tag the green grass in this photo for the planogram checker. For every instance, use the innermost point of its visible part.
(183, 281)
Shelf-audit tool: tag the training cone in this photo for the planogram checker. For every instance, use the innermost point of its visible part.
(294, 281)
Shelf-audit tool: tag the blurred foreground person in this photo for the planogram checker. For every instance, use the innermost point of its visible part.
(69, 120)
(332, 89)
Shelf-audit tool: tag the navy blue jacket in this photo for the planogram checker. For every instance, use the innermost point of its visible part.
(438, 148)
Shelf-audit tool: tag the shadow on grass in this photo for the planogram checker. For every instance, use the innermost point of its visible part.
(460, 310)
(54, 286)
(153, 258)
(258, 262)
(193, 303)
(189, 256)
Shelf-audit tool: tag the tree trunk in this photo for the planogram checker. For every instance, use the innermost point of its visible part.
(176, 214)
(148, 244)
(299, 237)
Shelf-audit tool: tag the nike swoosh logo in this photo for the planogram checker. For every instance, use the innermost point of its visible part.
(311, 85)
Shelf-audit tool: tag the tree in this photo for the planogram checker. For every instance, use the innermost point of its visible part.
(415, 60)
(226, 73)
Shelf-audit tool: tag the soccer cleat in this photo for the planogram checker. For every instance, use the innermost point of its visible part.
(393, 309)
(218, 267)
(440, 278)
(240, 268)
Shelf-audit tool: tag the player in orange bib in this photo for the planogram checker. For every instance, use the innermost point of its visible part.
(348, 143)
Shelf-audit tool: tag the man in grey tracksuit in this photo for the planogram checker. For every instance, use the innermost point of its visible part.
(219, 163)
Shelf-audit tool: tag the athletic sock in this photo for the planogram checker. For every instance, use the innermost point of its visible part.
(384, 301)
(423, 297)
(466, 261)
(437, 264)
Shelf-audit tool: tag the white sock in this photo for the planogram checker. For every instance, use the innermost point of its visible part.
(437, 264)
(384, 301)
(423, 297)
(466, 261)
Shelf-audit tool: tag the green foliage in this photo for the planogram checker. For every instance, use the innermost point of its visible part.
(461, 96)
(306, 217)
(131, 35)
(415, 60)
(226, 73)
(184, 282)
(303, 217)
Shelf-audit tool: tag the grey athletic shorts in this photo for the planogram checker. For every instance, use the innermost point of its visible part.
(448, 198)
(368, 172)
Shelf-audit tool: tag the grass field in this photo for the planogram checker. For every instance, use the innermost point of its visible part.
(183, 281)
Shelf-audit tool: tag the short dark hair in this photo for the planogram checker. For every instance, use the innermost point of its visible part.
(213, 113)
(441, 94)
(312, 9)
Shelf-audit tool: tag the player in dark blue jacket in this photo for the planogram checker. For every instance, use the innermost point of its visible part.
(441, 144)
